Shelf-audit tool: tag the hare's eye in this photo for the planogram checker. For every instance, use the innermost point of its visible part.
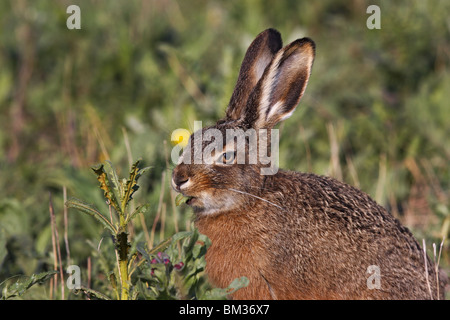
(227, 157)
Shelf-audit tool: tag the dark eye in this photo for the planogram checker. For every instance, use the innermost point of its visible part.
(227, 157)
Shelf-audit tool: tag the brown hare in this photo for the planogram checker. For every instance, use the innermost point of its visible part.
(293, 235)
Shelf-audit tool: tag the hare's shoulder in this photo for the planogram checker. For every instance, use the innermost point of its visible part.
(316, 186)
(323, 194)
(334, 206)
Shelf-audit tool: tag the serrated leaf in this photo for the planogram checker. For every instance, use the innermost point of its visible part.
(24, 283)
(102, 177)
(131, 185)
(92, 211)
(117, 188)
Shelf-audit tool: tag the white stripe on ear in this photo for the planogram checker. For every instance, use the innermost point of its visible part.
(270, 80)
(282, 84)
(258, 56)
(276, 109)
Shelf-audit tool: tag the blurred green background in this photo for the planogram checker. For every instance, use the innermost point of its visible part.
(375, 114)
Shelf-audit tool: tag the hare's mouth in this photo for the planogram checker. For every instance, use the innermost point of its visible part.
(182, 198)
(190, 200)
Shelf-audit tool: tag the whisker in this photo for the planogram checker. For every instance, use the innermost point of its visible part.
(252, 195)
(261, 188)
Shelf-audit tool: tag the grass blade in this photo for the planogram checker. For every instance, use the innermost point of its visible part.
(92, 211)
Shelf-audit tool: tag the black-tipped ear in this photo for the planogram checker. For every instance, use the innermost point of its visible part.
(282, 85)
(258, 56)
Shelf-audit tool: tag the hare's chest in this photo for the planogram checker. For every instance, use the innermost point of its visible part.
(233, 255)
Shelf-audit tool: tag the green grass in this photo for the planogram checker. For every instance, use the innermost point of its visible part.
(136, 71)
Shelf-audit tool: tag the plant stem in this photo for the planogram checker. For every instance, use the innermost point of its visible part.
(124, 278)
(123, 246)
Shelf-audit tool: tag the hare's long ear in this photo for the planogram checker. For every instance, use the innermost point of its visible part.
(282, 85)
(258, 56)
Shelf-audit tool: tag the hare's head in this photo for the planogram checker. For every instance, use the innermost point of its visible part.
(225, 163)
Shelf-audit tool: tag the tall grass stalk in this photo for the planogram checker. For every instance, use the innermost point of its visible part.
(56, 248)
(436, 264)
(66, 226)
(426, 268)
(336, 170)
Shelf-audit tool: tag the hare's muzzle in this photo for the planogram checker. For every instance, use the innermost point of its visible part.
(180, 178)
(178, 182)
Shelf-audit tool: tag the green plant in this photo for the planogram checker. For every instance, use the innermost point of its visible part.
(143, 272)
(118, 193)
(12, 289)
(161, 278)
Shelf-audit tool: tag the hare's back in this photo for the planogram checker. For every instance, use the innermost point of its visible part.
(332, 202)
(339, 235)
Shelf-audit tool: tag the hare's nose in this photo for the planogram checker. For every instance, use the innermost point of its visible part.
(179, 179)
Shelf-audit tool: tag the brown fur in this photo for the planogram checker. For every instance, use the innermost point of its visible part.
(293, 235)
